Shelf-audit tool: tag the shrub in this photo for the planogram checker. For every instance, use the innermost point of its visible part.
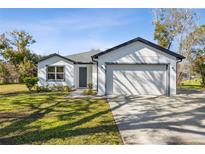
(30, 82)
(90, 86)
(60, 88)
(38, 88)
(67, 89)
(53, 88)
(42, 88)
(46, 88)
(90, 90)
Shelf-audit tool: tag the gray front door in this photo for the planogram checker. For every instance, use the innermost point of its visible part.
(82, 77)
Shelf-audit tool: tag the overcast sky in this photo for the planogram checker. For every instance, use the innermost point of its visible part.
(76, 30)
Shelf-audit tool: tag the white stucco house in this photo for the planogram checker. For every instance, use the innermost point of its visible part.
(136, 67)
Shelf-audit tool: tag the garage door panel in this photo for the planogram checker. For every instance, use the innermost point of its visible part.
(136, 79)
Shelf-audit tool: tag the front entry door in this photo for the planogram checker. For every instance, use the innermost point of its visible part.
(82, 77)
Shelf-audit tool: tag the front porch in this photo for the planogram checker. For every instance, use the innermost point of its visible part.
(84, 74)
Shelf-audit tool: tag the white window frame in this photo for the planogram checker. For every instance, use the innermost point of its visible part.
(55, 73)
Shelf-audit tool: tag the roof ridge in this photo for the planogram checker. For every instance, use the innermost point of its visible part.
(85, 52)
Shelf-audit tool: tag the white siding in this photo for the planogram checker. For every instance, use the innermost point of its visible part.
(94, 76)
(56, 61)
(71, 72)
(136, 52)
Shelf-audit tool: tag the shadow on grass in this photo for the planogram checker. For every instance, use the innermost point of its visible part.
(189, 90)
(67, 130)
(14, 93)
(70, 129)
(33, 93)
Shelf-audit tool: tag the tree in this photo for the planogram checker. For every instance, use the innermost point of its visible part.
(162, 35)
(176, 27)
(199, 64)
(14, 48)
(27, 68)
(8, 73)
(198, 52)
(3, 73)
(173, 24)
(3, 42)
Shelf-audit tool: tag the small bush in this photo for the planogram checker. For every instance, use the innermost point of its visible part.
(90, 86)
(38, 88)
(42, 88)
(30, 82)
(53, 88)
(60, 88)
(67, 89)
(57, 88)
(46, 88)
(90, 90)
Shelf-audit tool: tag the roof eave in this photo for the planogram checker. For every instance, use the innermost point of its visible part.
(143, 41)
(55, 54)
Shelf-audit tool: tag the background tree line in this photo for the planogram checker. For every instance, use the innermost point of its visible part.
(17, 60)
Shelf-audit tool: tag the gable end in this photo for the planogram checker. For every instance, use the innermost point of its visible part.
(142, 41)
(55, 54)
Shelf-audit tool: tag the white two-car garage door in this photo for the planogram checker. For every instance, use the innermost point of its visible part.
(135, 79)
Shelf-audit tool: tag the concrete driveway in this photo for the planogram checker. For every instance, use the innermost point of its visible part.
(161, 120)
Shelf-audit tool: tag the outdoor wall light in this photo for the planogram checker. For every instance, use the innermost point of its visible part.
(173, 68)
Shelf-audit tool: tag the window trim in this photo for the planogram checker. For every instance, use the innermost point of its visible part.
(55, 73)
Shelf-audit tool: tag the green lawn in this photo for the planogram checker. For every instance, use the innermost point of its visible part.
(50, 118)
(192, 84)
(13, 88)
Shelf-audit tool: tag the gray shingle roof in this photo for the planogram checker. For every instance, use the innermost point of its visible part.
(84, 57)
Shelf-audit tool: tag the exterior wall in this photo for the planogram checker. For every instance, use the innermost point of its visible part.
(56, 61)
(136, 52)
(94, 76)
(71, 72)
(76, 72)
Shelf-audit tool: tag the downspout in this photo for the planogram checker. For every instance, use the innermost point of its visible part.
(97, 70)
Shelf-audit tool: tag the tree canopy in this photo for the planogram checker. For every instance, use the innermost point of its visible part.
(14, 48)
(173, 25)
(179, 28)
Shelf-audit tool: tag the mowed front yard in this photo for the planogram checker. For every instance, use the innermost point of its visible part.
(50, 118)
(192, 84)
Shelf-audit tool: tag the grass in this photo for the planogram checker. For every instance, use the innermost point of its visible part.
(192, 84)
(89, 92)
(50, 118)
(12, 88)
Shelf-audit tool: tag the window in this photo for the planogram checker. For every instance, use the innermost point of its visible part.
(51, 73)
(55, 73)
